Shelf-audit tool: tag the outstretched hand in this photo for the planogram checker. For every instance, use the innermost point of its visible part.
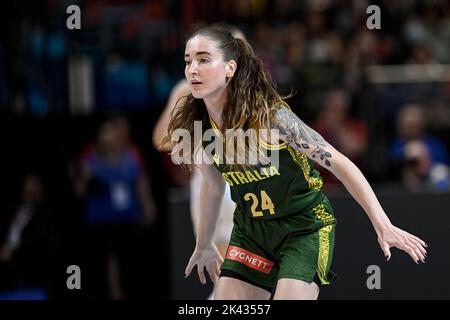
(396, 237)
(208, 257)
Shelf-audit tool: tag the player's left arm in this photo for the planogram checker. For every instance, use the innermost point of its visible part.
(299, 136)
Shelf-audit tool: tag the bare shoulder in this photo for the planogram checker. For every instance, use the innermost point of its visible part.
(301, 137)
(293, 130)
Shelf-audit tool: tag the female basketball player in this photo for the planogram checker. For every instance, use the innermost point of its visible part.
(225, 218)
(283, 234)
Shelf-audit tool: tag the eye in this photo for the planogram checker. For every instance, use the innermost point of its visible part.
(187, 62)
(204, 60)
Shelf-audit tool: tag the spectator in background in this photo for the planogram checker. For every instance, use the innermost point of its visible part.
(422, 159)
(117, 198)
(411, 127)
(27, 255)
(347, 134)
(419, 172)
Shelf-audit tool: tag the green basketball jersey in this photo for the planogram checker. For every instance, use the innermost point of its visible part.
(268, 191)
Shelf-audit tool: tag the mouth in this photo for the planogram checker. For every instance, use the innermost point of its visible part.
(195, 83)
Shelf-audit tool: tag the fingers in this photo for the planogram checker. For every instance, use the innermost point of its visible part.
(188, 269)
(407, 242)
(410, 246)
(418, 239)
(213, 271)
(416, 249)
(415, 245)
(200, 271)
(419, 246)
(387, 252)
(212, 264)
(218, 265)
(405, 247)
(201, 274)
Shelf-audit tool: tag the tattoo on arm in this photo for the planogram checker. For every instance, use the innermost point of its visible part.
(300, 136)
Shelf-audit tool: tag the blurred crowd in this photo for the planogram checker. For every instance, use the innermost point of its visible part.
(127, 57)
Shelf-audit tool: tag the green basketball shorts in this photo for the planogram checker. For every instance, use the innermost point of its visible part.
(298, 246)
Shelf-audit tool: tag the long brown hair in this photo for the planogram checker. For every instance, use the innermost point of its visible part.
(252, 95)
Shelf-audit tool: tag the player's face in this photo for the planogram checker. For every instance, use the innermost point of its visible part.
(205, 68)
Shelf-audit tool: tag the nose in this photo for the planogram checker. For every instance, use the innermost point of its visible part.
(193, 67)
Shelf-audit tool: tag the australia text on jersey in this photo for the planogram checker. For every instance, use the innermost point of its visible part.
(236, 146)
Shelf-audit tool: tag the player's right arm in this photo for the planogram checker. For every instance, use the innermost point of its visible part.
(206, 253)
(161, 128)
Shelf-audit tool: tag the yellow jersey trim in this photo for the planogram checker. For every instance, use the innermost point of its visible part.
(301, 160)
(261, 141)
(214, 126)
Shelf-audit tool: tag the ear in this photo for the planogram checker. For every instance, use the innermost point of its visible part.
(231, 68)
